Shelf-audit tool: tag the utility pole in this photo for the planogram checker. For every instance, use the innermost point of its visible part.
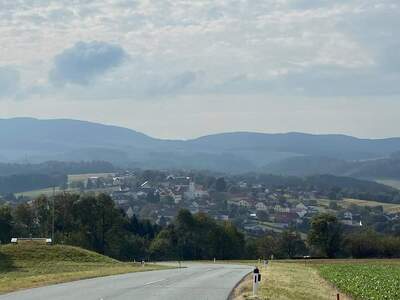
(52, 226)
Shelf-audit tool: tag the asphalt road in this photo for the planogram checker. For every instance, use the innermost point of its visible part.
(197, 281)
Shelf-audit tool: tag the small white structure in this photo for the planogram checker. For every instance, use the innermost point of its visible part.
(261, 206)
(244, 203)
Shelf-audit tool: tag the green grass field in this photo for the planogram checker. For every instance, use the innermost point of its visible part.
(31, 264)
(365, 281)
(47, 192)
(390, 182)
(84, 177)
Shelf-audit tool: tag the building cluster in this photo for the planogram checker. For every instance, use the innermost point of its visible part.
(253, 207)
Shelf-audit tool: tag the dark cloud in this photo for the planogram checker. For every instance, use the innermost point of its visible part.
(85, 61)
(9, 81)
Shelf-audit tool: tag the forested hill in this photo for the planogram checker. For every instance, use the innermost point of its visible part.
(56, 167)
(33, 140)
(310, 165)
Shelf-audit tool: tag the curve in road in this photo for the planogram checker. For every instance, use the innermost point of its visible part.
(196, 281)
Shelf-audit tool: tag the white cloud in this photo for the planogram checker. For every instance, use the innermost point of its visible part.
(9, 82)
(255, 48)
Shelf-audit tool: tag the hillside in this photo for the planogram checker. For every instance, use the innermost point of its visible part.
(33, 140)
(34, 252)
(31, 264)
(380, 168)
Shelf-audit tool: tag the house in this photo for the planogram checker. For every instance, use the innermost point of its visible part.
(195, 191)
(130, 212)
(285, 217)
(177, 198)
(281, 209)
(244, 203)
(146, 185)
(348, 215)
(300, 210)
(243, 184)
(301, 206)
(261, 206)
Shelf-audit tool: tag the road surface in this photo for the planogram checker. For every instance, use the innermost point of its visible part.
(197, 281)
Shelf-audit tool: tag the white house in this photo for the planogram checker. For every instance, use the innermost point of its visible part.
(244, 203)
(261, 206)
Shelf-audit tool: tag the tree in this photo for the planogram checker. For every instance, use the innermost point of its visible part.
(267, 246)
(164, 246)
(41, 207)
(333, 205)
(325, 235)
(290, 244)
(185, 226)
(220, 184)
(24, 220)
(6, 224)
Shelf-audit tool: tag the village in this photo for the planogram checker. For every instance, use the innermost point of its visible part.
(253, 207)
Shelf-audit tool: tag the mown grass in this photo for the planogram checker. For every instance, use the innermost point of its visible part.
(365, 281)
(31, 264)
(83, 177)
(288, 280)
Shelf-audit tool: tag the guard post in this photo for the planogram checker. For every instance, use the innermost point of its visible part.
(256, 280)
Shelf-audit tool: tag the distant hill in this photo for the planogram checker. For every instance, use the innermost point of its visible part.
(33, 140)
(310, 165)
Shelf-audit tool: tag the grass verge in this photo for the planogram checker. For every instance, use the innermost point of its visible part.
(31, 265)
(288, 281)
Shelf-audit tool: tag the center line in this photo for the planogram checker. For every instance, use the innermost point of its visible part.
(155, 281)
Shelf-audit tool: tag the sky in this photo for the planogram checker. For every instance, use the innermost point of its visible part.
(186, 68)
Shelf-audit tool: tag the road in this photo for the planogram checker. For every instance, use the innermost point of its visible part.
(196, 281)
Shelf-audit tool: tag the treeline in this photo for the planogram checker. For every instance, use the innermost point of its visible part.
(56, 167)
(27, 182)
(16, 178)
(95, 223)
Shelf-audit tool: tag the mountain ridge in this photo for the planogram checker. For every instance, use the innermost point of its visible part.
(38, 140)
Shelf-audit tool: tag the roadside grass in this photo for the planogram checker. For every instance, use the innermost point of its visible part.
(288, 280)
(31, 265)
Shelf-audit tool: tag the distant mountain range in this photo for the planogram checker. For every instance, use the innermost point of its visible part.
(33, 140)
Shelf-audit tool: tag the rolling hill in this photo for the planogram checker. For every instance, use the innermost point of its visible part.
(31, 264)
(33, 140)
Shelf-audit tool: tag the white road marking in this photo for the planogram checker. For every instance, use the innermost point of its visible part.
(157, 281)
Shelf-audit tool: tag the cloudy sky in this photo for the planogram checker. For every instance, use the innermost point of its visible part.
(185, 68)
